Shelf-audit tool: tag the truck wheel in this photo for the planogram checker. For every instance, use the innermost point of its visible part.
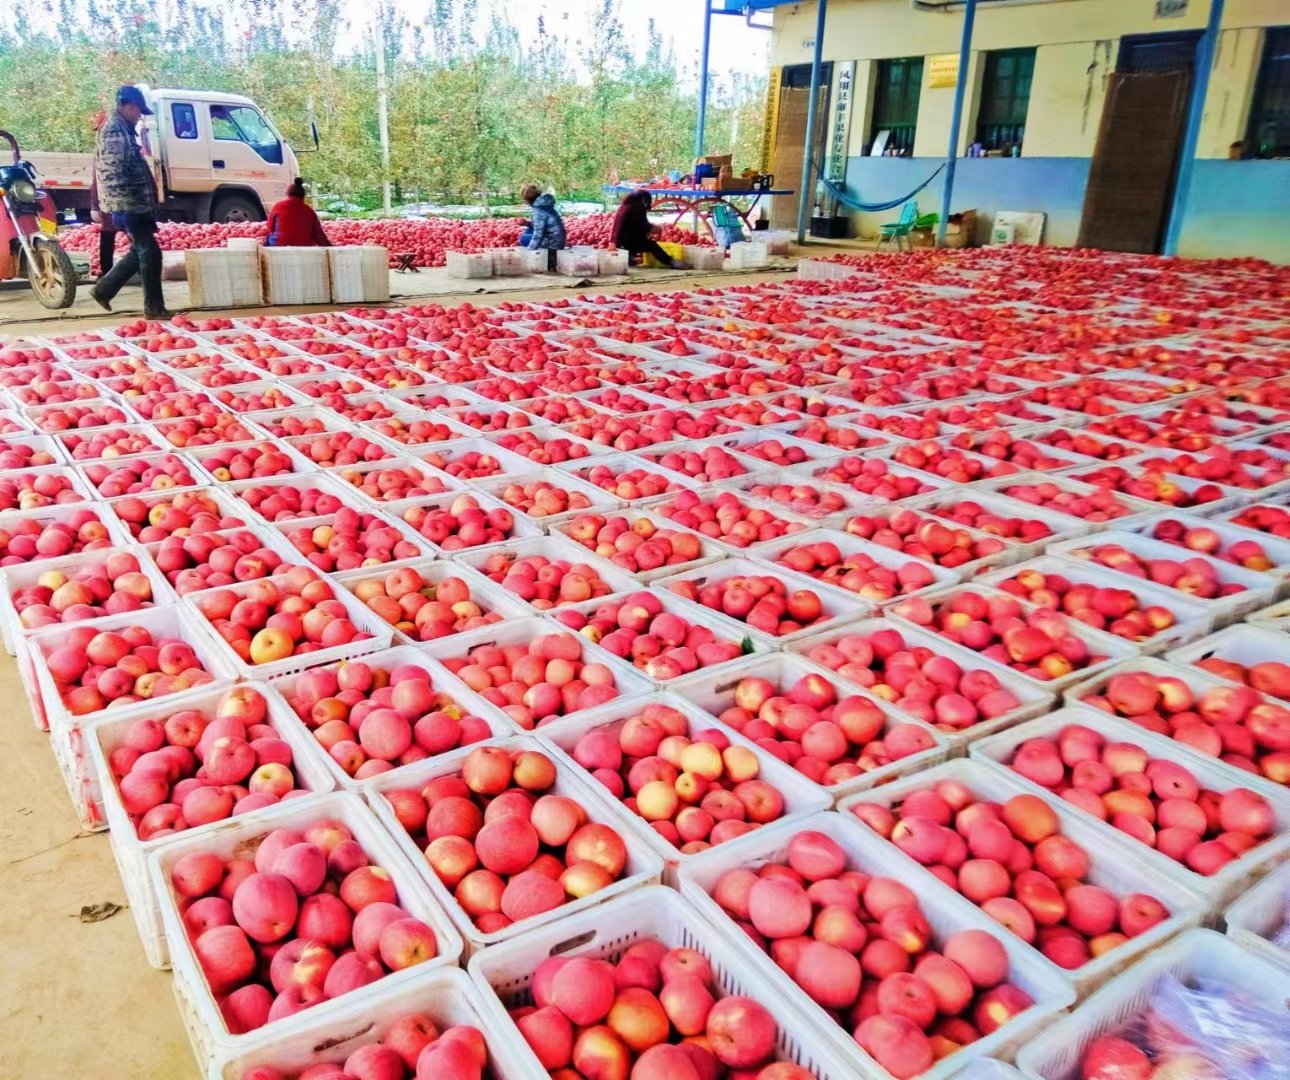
(232, 209)
(52, 276)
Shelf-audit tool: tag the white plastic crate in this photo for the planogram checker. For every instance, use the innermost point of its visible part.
(801, 796)
(1193, 621)
(469, 265)
(630, 682)
(447, 996)
(1261, 913)
(509, 262)
(771, 551)
(601, 502)
(1056, 1053)
(709, 552)
(67, 730)
(1063, 526)
(1114, 649)
(359, 614)
(612, 263)
(25, 575)
(295, 275)
(440, 679)
(504, 973)
(1066, 480)
(643, 866)
(1217, 889)
(131, 852)
(622, 462)
(54, 447)
(1034, 698)
(1278, 549)
(322, 481)
(489, 596)
(713, 693)
(945, 912)
(704, 258)
(1112, 864)
(509, 463)
(1245, 643)
(748, 256)
(239, 838)
(359, 274)
(555, 546)
(838, 607)
(1258, 588)
(577, 262)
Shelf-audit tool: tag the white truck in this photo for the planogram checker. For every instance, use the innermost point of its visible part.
(215, 157)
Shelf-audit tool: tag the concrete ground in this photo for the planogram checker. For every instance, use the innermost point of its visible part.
(78, 1000)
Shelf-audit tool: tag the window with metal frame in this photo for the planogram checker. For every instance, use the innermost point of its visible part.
(184, 119)
(1005, 97)
(895, 103)
(241, 123)
(1268, 134)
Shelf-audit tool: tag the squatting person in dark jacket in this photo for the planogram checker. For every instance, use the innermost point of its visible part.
(633, 230)
(128, 194)
(547, 230)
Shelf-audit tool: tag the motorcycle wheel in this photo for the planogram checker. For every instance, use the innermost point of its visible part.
(52, 276)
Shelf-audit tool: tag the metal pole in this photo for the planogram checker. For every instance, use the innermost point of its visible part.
(812, 110)
(960, 92)
(703, 79)
(383, 106)
(1195, 113)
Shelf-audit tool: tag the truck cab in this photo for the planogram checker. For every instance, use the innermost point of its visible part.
(219, 156)
(215, 157)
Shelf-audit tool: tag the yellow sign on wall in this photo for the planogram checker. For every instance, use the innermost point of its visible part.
(769, 133)
(943, 70)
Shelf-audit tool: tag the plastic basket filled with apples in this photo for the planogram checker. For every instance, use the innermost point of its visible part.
(508, 873)
(1224, 539)
(1006, 850)
(990, 991)
(1242, 655)
(545, 573)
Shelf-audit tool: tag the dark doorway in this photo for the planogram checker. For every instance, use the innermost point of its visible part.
(790, 137)
(1131, 178)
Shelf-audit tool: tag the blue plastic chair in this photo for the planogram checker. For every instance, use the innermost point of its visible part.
(899, 230)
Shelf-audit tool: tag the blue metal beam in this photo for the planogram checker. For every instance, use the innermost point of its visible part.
(812, 110)
(703, 80)
(1191, 137)
(960, 93)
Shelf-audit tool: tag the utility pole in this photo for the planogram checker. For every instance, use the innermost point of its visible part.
(382, 105)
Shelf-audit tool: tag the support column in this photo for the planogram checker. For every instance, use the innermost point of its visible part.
(956, 122)
(812, 113)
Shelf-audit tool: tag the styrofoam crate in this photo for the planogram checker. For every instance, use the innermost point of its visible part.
(600, 501)
(772, 551)
(630, 682)
(1193, 621)
(713, 692)
(801, 796)
(1113, 649)
(1277, 549)
(488, 596)
(131, 852)
(1257, 589)
(555, 546)
(643, 866)
(66, 728)
(1111, 861)
(504, 973)
(838, 607)
(1243, 644)
(359, 614)
(1260, 913)
(1033, 697)
(238, 838)
(945, 912)
(441, 679)
(25, 575)
(1218, 776)
(1056, 1053)
(447, 996)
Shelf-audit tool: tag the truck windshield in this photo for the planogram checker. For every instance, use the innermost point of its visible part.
(241, 123)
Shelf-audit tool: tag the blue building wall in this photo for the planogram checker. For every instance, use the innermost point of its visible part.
(1236, 207)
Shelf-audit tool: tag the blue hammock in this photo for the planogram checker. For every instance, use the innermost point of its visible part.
(872, 208)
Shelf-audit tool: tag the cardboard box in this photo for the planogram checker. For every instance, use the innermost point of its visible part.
(960, 230)
(719, 160)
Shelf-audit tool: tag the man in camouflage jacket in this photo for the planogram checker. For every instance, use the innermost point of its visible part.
(127, 192)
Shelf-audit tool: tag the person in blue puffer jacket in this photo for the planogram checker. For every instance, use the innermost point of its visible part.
(547, 229)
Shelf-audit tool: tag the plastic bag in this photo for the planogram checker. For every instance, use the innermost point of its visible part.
(1244, 1036)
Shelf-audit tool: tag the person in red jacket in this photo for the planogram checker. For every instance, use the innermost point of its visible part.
(293, 223)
